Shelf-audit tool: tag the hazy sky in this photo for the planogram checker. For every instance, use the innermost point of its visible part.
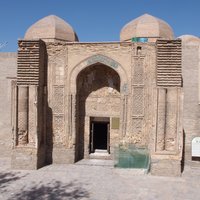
(95, 20)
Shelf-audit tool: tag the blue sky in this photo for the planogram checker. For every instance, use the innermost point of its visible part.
(95, 20)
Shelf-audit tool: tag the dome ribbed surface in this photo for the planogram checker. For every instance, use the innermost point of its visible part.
(51, 27)
(146, 26)
(190, 39)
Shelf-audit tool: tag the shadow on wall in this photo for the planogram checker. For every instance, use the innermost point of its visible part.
(55, 190)
(49, 136)
(196, 158)
(49, 118)
(183, 153)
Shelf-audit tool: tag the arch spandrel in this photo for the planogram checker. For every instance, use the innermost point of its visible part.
(101, 59)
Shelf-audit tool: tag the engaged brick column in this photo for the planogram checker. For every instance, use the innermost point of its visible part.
(169, 82)
(161, 120)
(22, 132)
(167, 157)
(29, 117)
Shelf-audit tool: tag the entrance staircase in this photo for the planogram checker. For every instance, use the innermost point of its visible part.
(96, 162)
(100, 154)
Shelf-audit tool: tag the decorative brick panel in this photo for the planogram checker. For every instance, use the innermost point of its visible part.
(29, 62)
(169, 63)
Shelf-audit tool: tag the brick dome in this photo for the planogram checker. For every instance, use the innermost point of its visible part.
(51, 28)
(146, 26)
(189, 40)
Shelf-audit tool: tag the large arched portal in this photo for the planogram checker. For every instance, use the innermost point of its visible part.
(98, 110)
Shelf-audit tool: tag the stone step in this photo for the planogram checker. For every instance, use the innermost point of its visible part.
(100, 154)
(96, 162)
(101, 151)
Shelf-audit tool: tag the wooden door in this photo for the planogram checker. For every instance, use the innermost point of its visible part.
(92, 138)
(108, 137)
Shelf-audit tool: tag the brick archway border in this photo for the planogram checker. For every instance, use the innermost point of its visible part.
(102, 59)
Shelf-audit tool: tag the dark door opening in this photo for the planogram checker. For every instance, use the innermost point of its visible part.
(99, 137)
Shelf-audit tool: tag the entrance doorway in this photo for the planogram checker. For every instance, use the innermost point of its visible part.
(98, 93)
(99, 136)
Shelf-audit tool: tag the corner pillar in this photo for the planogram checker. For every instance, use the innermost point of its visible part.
(28, 114)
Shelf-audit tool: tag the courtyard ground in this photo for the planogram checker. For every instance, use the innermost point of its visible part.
(94, 180)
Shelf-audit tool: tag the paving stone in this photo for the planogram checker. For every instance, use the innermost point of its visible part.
(94, 182)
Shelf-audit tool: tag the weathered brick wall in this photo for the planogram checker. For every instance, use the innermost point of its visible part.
(191, 81)
(138, 68)
(141, 67)
(29, 106)
(8, 70)
(167, 155)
